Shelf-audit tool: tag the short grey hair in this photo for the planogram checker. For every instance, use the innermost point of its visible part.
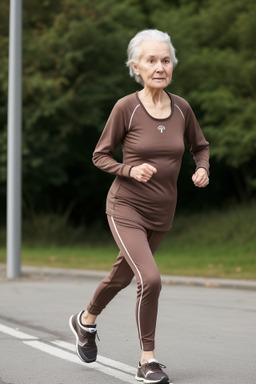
(134, 48)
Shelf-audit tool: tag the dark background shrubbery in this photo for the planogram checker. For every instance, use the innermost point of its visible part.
(74, 71)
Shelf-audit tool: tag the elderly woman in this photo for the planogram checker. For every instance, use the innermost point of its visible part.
(151, 125)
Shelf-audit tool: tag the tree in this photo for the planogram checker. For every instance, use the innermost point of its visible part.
(74, 54)
(73, 73)
(216, 48)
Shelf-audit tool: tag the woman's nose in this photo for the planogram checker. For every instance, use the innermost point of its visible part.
(159, 67)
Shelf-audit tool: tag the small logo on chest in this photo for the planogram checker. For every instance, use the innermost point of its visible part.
(161, 128)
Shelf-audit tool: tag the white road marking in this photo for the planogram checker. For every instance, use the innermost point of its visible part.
(101, 359)
(16, 333)
(111, 367)
(74, 359)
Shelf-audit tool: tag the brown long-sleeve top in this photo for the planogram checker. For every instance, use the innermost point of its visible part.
(158, 142)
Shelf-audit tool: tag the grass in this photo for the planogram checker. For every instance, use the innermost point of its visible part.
(213, 244)
(217, 244)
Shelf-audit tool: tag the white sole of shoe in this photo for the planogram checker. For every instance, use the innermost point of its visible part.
(142, 380)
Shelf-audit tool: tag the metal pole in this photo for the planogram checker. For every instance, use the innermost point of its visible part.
(14, 141)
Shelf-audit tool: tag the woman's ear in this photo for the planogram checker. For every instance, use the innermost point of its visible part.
(135, 69)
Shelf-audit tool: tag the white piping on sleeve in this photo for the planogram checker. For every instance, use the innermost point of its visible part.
(141, 281)
(130, 123)
(180, 111)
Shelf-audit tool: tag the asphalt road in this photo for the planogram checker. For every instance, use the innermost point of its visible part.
(205, 335)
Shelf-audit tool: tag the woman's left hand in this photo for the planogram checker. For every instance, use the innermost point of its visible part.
(200, 178)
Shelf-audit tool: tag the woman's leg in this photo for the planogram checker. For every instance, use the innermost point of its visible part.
(120, 277)
(137, 245)
(154, 238)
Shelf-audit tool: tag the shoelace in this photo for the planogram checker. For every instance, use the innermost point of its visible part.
(157, 366)
(91, 337)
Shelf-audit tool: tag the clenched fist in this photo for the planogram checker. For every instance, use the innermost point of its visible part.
(143, 172)
(200, 178)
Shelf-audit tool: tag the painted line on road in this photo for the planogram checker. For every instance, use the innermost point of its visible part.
(111, 367)
(74, 359)
(16, 333)
(101, 359)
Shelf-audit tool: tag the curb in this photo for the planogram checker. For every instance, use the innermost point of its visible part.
(35, 273)
(210, 282)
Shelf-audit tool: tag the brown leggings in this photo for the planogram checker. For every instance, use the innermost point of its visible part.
(137, 246)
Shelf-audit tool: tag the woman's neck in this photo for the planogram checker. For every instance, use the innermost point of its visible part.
(154, 96)
(157, 103)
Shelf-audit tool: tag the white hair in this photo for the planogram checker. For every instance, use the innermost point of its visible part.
(134, 48)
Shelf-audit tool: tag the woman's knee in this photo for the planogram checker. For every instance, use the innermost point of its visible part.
(152, 284)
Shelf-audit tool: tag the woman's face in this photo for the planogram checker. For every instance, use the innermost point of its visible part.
(155, 65)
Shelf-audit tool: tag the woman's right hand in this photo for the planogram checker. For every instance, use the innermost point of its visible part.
(143, 172)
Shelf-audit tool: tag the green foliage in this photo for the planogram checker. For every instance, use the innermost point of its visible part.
(73, 73)
(74, 55)
(217, 75)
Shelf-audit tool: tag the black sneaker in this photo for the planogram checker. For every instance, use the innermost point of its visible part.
(86, 347)
(151, 372)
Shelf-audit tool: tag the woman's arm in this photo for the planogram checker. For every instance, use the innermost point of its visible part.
(112, 135)
(199, 147)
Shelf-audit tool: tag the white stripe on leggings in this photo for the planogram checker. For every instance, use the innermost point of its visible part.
(141, 281)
